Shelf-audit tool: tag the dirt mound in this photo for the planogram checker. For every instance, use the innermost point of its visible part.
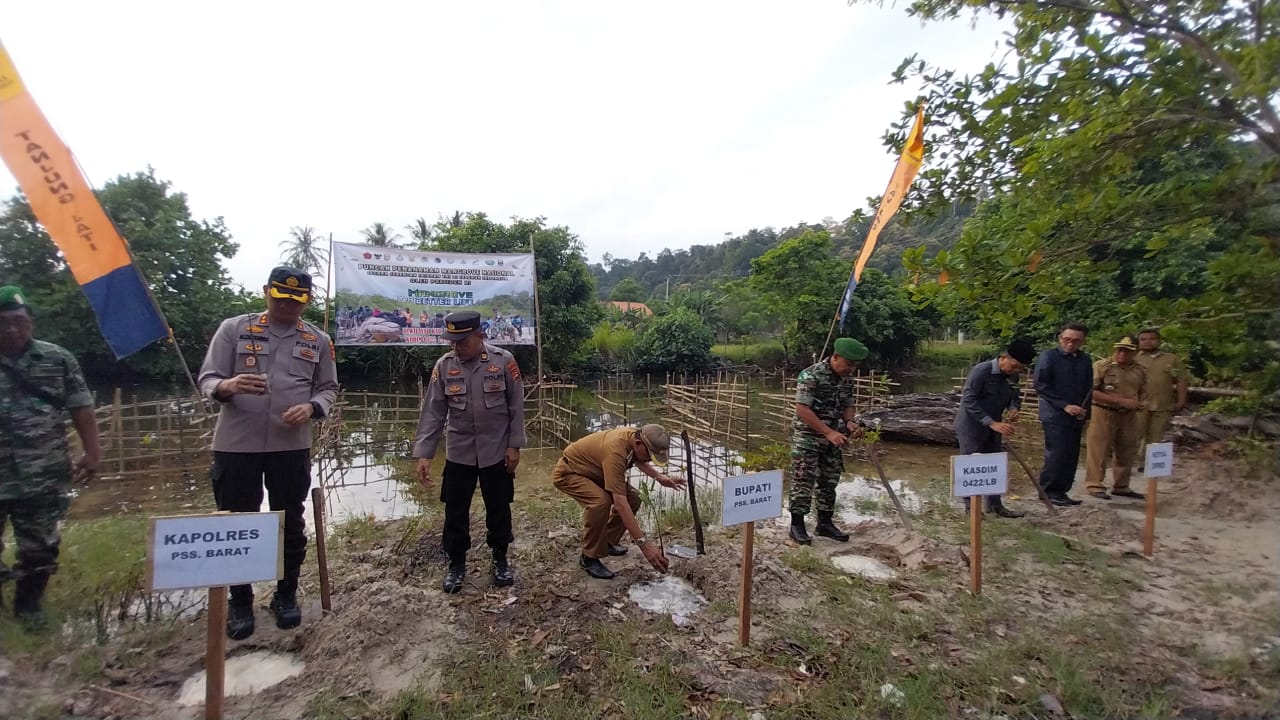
(899, 548)
(1218, 486)
(1090, 522)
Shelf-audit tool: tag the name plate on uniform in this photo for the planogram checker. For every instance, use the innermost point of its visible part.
(747, 498)
(1159, 460)
(979, 474)
(215, 549)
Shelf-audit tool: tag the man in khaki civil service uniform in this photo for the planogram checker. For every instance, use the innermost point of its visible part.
(474, 392)
(1166, 388)
(274, 373)
(1119, 393)
(593, 471)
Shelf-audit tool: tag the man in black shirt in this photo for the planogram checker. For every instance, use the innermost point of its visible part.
(1064, 381)
(989, 401)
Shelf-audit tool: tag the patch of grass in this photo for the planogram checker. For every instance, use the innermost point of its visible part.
(765, 354)
(805, 560)
(362, 530)
(676, 518)
(328, 705)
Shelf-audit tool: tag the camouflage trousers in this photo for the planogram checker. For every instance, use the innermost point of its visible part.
(35, 527)
(814, 470)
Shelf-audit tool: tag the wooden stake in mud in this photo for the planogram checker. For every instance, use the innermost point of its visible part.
(875, 460)
(1157, 464)
(1035, 483)
(744, 592)
(322, 558)
(215, 653)
(693, 496)
(975, 545)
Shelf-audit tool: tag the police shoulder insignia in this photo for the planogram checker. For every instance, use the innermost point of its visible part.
(309, 336)
(513, 369)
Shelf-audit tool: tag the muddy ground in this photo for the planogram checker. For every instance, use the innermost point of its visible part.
(1072, 622)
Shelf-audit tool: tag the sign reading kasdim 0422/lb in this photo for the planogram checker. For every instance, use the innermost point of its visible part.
(747, 498)
(213, 550)
(979, 474)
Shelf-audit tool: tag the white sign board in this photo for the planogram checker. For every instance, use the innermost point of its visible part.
(1159, 461)
(747, 498)
(979, 474)
(196, 551)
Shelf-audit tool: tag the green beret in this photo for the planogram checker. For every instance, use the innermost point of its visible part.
(12, 298)
(851, 349)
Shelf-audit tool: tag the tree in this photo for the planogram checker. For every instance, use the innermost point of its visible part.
(1127, 157)
(422, 233)
(381, 235)
(883, 317)
(180, 257)
(627, 291)
(677, 341)
(566, 291)
(303, 250)
(799, 284)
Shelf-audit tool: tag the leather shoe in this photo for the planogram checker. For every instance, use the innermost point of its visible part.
(1101, 494)
(618, 550)
(503, 576)
(1126, 492)
(1004, 512)
(1063, 501)
(596, 569)
(453, 579)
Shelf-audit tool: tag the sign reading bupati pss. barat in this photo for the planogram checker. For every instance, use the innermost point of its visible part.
(1159, 460)
(979, 474)
(215, 549)
(751, 497)
(397, 296)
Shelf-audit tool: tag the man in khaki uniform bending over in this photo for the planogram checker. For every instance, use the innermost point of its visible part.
(593, 471)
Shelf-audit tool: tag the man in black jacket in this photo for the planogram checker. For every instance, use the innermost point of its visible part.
(1064, 381)
(990, 399)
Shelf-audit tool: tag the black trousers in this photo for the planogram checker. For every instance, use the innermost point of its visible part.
(457, 487)
(238, 482)
(1061, 456)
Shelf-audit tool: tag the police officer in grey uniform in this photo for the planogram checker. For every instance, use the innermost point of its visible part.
(273, 373)
(475, 393)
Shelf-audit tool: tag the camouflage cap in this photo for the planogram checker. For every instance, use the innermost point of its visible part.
(12, 298)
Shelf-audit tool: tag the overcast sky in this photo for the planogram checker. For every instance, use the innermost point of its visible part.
(640, 126)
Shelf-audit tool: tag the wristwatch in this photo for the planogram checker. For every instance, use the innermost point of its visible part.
(640, 541)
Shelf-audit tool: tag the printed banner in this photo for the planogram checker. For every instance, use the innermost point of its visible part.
(391, 295)
(903, 175)
(65, 205)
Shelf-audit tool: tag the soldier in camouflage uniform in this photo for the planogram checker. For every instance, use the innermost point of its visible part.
(41, 386)
(824, 402)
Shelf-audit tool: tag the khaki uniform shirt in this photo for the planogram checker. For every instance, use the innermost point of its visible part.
(480, 402)
(299, 368)
(1124, 382)
(1163, 370)
(603, 457)
(34, 459)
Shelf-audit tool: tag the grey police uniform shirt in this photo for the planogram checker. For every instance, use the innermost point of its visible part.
(299, 368)
(481, 403)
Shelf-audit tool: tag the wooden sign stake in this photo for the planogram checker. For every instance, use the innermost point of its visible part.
(1149, 526)
(744, 592)
(215, 653)
(975, 544)
(322, 559)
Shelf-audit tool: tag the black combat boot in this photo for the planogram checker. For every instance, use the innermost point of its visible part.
(503, 575)
(27, 594)
(454, 577)
(828, 529)
(284, 604)
(240, 622)
(798, 533)
(997, 507)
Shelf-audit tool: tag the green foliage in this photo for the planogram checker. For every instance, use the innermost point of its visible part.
(769, 457)
(627, 291)
(799, 283)
(677, 341)
(614, 344)
(1132, 154)
(768, 355)
(178, 255)
(882, 316)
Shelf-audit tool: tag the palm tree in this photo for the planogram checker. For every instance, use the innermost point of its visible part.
(381, 235)
(303, 250)
(422, 233)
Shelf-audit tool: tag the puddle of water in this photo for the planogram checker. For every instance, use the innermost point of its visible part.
(244, 675)
(856, 493)
(365, 487)
(668, 595)
(867, 567)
